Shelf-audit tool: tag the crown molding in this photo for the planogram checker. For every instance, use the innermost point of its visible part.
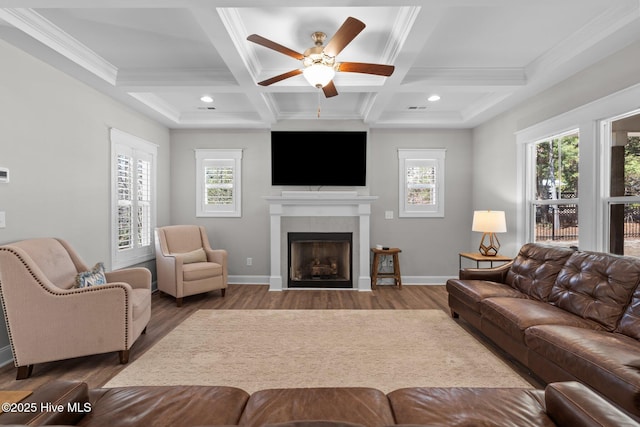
(47, 33)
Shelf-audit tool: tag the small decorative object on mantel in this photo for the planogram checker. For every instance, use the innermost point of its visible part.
(489, 222)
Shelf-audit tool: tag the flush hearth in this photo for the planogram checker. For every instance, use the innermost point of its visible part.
(320, 260)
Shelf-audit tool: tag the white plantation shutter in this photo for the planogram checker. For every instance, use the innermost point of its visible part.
(218, 183)
(143, 182)
(124, 185)
(133, 199)
(421, 182)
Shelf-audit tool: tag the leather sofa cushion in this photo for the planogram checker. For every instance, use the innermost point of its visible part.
(314, 423)
(459, 406)
(357, 405)
(630, 322)
(200, 270)
(601, 359)
(56, 392)
(472, 292)
(515, 315)
(596, 286)
(535, 269)
(169, 406)
(573, 404)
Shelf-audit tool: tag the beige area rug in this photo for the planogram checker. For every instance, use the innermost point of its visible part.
(259, 349)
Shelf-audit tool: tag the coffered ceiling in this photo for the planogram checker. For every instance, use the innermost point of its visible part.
(481, 57)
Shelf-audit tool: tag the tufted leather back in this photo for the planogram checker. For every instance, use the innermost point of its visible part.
(630, 322)
(535, 269)
(596, 286)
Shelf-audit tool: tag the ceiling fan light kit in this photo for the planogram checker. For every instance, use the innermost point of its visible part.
(319, 62)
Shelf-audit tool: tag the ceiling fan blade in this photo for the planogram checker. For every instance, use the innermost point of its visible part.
(280, 77)
(329, 90)
(347, 32)
(362, 67)
(275, 46)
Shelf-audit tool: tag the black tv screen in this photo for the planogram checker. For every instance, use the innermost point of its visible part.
(318, 158)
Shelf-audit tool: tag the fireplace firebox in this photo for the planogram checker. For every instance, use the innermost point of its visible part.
(320, 260)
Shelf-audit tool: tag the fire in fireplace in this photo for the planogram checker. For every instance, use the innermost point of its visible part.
(320, 260)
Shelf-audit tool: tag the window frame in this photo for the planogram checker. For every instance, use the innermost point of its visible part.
(222, 157)
(530, 185)
(429, 157)
(138, 150)
(588, 118)
(607, 200)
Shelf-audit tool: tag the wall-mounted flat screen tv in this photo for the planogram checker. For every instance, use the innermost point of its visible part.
(318, 158)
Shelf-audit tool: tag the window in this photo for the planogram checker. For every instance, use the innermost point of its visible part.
(622, 195)
(552, 190)
(421, 182)
(133, 180)
(218, 183)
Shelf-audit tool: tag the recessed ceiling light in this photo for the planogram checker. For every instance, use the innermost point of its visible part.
(433, 98)
(206, 98)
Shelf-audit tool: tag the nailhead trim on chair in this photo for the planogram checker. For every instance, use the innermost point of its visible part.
(79, 291)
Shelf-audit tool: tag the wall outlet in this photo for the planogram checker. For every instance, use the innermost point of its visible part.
(249, 261)
(3, 219)
(388, 214)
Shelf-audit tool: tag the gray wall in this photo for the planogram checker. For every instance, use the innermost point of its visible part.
(494, 142)
(429, 245)
(55, 141)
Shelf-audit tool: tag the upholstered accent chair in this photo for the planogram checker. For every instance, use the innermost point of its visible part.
(49, 318)
(186, 264)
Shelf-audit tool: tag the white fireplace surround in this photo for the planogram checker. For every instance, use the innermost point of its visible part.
(316, 204)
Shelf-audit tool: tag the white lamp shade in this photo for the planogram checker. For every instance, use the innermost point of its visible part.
(319, 75)
(489, 222)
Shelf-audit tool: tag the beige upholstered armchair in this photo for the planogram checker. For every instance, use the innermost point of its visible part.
(186, 264)
(50, 318)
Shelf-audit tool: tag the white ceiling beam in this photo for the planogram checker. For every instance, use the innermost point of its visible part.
(35, 25)
(412, 30)
(181, 4)
(446, 76)
(158, 77)
(618, 16)
(224, 30)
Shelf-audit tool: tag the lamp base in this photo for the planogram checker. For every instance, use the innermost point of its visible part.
(490, 249)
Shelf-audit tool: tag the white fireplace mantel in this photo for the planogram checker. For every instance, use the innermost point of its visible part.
(320, 204)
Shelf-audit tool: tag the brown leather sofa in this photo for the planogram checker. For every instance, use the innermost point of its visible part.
(566, 315)
(561, 404)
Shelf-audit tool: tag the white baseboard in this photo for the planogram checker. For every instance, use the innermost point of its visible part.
(406, 280)
(417, 280)
(6, 356)
(248, 280)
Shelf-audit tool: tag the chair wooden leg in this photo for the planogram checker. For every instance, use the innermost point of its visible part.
(179, 302)
(24, 372)
(224, 291)
(124, 356)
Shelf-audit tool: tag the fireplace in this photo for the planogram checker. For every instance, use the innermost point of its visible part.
(320, 260)
(320, 211)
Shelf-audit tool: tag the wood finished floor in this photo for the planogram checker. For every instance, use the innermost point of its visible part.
(99, 369)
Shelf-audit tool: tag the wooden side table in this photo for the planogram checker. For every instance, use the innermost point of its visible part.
(375, 266)
(478, 258)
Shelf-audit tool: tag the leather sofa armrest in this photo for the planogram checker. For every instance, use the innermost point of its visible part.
(495, 274)
(56, 402)
(574, 404)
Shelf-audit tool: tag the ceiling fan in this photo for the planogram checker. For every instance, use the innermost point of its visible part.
(319, 62)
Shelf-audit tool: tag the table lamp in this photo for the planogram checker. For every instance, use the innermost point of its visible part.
(489, 223)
